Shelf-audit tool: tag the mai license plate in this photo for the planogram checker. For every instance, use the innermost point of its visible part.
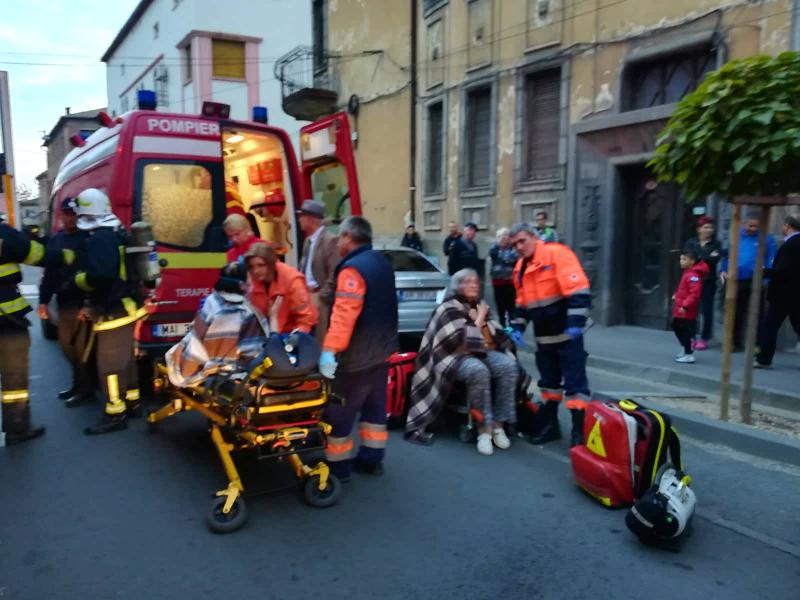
(417, 295)
(171, 329)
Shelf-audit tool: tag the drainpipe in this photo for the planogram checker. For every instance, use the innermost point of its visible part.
(412, 187)
(794, 43)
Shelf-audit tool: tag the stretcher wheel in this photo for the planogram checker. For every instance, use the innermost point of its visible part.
(219, 522)
(322, 498)
(151, 427)
(466, 434)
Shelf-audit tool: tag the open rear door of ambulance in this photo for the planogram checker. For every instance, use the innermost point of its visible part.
(328, 168)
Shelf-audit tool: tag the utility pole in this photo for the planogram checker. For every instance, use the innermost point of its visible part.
(9, 197)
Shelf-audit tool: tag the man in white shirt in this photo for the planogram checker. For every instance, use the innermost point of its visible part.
(319, 260)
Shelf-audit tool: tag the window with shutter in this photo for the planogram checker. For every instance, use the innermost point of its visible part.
(434, 147)
(227, 57)
(542, 125)
(478, 137)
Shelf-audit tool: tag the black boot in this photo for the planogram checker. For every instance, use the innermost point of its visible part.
(66, 394)
(108, 424)
(79, 399)
(23, 436)
(576, 438)
(550, 430)
(133, 409)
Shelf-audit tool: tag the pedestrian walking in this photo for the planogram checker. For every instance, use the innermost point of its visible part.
(361, 337)
(504, 257)
(783, 292)
(73, 335)
(708, 249)
(686, 303)
(553, 293)
(543, 230)
(464, 252)
(110, 308)
(318, 262)
(452, 235)
(748, 249)
(15, 342)
(411, 239)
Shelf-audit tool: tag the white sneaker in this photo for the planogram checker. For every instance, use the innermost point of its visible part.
(500, 439)
(685, 358)
(485, 444)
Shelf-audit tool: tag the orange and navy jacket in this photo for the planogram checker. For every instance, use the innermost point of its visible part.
(363, 322)
(552, 292)
(15, 248)
(296, 310)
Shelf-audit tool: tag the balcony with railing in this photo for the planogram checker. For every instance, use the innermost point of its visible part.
(309, 83)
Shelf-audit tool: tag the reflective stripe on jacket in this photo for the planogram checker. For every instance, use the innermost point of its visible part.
(552, 292)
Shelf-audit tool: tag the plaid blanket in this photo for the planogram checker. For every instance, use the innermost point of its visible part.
(225, 331)
(449, 336)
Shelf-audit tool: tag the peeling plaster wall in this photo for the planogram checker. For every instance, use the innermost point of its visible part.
(373, 40)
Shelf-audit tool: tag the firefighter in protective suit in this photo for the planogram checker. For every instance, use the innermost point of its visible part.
(111, 307)
(552, 291)
(15, 248)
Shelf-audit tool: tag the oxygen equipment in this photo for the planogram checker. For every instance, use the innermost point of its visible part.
(142, 256)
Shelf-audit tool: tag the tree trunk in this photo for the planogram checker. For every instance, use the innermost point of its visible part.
(730, 312)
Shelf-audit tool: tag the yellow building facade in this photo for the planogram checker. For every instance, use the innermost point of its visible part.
(530, 105)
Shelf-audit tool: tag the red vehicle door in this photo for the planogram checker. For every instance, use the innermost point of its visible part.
(328, 167)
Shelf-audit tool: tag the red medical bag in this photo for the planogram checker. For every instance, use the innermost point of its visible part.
(625, 446)
(401, 368)
(603, 466)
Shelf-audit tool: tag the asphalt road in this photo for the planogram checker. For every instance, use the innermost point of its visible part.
(123, 516)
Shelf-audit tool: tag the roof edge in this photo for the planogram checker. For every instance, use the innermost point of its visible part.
(137, 13)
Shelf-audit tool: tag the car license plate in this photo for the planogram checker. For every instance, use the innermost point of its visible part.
(171, 329)
(418, 295)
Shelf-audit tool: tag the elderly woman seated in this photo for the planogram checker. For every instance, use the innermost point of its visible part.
(461, 343)
(225, 332)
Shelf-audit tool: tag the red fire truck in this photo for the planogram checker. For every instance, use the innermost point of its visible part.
(184, 174)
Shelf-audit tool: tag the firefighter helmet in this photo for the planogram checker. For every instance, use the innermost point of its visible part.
(94, 210)
(93, 202)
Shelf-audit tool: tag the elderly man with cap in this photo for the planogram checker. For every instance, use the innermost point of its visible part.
(319, 261)
(59, 281)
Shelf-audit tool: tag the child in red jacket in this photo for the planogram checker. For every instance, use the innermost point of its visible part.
(687, 301)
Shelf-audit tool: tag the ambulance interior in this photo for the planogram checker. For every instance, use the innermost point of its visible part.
(256, 171)
(329, 186)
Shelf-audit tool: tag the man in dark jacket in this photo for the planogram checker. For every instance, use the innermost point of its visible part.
(15, 341)
(59, 282)
(783, 291)
(464, 252)
(452, 235)
(362, 334)
(411, 239)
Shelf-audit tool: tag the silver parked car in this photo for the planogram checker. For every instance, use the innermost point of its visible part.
(420, 287)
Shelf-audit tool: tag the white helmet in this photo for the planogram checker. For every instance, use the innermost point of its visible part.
(93, 202)
(94, 210)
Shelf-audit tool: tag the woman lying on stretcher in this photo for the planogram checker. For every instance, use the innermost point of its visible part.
(225, 332)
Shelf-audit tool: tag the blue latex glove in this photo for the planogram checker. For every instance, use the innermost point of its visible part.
(328, 364)
(574, 332)
(516, 335)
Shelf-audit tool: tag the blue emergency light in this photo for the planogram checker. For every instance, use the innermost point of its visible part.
(146, 99)
(260, 114)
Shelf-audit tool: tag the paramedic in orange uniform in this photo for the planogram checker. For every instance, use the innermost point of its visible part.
(241, 237)
(362, 334)
(279, 291)
(552, 291)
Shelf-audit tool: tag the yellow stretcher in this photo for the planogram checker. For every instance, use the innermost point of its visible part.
(277, 418)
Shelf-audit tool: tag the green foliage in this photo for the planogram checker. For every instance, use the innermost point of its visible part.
(738, 133)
